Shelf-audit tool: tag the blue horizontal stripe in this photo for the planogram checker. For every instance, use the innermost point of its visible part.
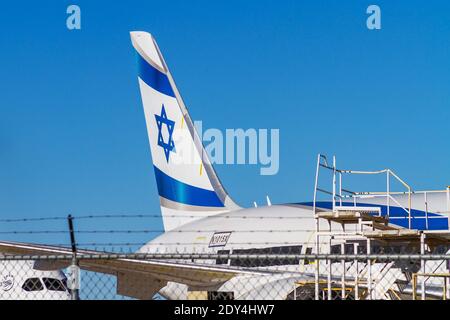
(398, 216)
(177, 191)
(154, 78)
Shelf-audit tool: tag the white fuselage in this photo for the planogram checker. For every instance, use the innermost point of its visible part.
(290, 226)
(260, 227)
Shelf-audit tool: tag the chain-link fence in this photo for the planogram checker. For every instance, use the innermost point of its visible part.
(278, 275)
(116, 257)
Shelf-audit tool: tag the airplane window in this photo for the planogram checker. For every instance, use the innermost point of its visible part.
(54, 284)
(336, 249)
(222, 261)
(266, 262)
(33, 284)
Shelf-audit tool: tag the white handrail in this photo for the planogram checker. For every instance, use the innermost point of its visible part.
(365, 196)
(388, 193)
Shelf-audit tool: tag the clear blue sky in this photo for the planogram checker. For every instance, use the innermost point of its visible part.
(72, 130)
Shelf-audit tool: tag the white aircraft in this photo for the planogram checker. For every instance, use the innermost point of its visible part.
(21, 280)
(199, 216)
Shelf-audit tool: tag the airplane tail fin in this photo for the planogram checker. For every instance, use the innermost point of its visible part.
(188, 186)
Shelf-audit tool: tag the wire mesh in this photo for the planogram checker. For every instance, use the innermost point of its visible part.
(275, 274)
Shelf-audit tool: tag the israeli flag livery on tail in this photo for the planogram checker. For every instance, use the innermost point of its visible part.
(188, 186)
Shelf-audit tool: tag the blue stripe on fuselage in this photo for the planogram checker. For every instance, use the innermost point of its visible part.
(398, 216)
(177, 191)
(154, 78)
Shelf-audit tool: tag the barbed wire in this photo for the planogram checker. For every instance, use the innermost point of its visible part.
(174, 216)
(31, 219)
(35, 232)
(157, 216)
(80, 245)
(152, 231)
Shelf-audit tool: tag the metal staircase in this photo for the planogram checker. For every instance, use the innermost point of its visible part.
(359, 224)
(347, 219)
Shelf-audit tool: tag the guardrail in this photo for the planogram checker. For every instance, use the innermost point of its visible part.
(339, 193)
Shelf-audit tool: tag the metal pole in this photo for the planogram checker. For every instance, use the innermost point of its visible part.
(355, 248)
(316, 284)
(75, 281)
(316, 182)
(414, 285)
(329, 273)
(426, 210)
(422, 263)
(448, 205)
(369, 269)
(446, 287)
(409, 204)
(444, 294)
(334, 182)
(388, 193)
(343, 272)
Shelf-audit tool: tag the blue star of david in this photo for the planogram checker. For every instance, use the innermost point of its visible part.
(168, 146)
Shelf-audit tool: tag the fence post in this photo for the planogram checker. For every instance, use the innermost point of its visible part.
(74, 278)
